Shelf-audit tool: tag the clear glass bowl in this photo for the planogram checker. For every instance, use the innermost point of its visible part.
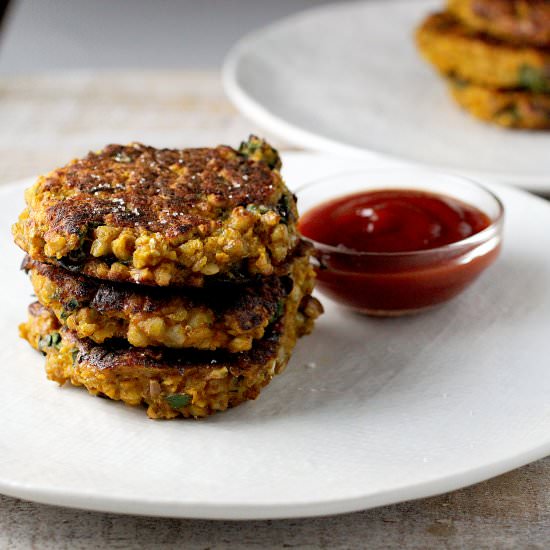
(399, 283)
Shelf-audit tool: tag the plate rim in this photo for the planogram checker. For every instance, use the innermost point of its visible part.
(301, 137)
(260, 511)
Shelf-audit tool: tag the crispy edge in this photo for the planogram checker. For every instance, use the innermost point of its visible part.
(149, 377)
(229, 317)
(516, 21)
(509, 109)
(457, 52)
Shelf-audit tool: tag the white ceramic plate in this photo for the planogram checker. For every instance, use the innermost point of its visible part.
(347, 79)
(393, 410)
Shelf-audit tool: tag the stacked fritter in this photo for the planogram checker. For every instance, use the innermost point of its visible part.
(495, 55)
(171, 278)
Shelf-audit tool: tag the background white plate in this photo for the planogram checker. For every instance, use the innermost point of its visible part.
(347, 79)
(393, 410)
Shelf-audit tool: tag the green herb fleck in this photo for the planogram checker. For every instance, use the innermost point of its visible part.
(178, 400)
(284, 209)
(75, 354)
(533, 79)
(86, 231)
(51, 340)
(279, 310)
(459, 83)
(257, 208)
(258, 150)
(236, 381)
(72, 304)
(509, 112)
(44, 342)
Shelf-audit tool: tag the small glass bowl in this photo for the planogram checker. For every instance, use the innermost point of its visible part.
(401, 283)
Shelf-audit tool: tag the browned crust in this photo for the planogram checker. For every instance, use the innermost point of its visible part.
(159, 377)
(218, 316)
(161, 190)
(459, 52)
(124, 358)
(163, 217)
(507, 108)
(119, 355)
(248, 305)
(519, 21)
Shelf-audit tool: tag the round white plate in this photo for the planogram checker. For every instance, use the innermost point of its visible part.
(347, 79)
(393, 409)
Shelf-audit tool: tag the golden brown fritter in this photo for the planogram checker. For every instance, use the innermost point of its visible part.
(508, 108)
(163, 216)
(221, 316)
(170, 383)
(463, 54)
(519, 21)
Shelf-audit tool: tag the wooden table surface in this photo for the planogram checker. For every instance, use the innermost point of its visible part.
(47, 120)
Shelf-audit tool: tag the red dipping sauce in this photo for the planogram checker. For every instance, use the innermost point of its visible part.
(396, 251)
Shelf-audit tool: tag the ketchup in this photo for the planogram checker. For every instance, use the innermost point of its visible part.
(392, 221)
(369, 263)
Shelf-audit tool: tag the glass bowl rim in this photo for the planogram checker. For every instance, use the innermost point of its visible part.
(475, 239)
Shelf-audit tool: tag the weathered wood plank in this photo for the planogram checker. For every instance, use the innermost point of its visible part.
(511, 511)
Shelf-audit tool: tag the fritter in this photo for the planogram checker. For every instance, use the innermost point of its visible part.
(508, 108)
(163, 216)
(221, 316)
(190, 383)
(519, 21)
(458, 52)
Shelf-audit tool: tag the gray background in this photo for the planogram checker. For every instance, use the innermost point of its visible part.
(45, 35)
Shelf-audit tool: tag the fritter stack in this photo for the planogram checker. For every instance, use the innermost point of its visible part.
(171, 278)
(495, 55)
